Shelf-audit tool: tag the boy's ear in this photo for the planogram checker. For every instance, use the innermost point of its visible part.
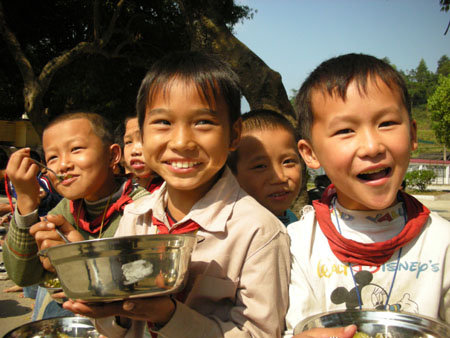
(115, 155)
(235, 135)
(309, 156)
(413, 135)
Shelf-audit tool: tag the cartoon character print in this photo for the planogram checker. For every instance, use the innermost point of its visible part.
(372, 294)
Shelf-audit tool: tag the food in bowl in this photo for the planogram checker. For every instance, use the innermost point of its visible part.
(53, 283)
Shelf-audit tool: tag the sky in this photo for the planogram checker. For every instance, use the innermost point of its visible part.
(294, 36)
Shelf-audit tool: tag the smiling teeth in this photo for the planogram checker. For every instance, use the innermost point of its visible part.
(372, 171)
(183, 165)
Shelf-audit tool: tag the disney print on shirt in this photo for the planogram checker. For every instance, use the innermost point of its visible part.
(372, 294)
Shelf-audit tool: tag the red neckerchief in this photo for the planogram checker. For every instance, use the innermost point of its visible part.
(154, 184)
(183, 228)
(94, 226)
(372, 254)
(8, 193)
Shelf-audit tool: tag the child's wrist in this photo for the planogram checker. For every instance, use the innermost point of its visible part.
(172, 306)
(26, 205)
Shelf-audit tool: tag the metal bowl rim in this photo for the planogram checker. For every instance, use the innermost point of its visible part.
(44, 252)
(379, 315)
(73, 319)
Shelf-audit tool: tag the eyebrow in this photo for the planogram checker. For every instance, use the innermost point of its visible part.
(201, 110)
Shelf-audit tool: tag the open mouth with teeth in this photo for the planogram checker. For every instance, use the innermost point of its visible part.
(184, 165)
(372, 175)
(279, 194)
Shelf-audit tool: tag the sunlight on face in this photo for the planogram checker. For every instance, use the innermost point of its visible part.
(268, 168)
(185, 140)
(74, 150)
(363, 143)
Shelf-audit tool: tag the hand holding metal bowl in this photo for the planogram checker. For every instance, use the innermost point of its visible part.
(378, 324)
(117, 268)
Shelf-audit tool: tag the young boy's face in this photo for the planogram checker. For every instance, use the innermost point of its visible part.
(363, 143)
(132, 150)
(268, 168)
(74, 150)
(185, 140)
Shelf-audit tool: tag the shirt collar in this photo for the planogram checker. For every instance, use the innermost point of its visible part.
(211, 212)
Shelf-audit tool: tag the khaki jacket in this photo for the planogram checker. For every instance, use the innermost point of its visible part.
(238, 275)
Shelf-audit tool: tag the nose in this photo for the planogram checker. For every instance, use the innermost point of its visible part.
(278, 174)
(137, 148)
(182, 138)
(370, 144)
(65, 163)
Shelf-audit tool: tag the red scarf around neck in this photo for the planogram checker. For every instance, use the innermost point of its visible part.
(154, 184)
(76, 208)
(183, 228)
(373, 254)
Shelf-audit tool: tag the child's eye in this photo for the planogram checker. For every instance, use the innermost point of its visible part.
(50, 159)
(343, 131)
(259, 166)
(160, 121)
(204, 122)
(290, 162)
(76, 149)
(387, 124)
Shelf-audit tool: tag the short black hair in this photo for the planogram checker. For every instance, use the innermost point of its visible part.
(207, 72)
(101, 126)
(261, 119)
(334, 76)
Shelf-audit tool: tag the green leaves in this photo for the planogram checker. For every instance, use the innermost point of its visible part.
(439, 106)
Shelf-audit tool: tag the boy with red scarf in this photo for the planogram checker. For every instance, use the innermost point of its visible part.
(79, 148)
(365, 244)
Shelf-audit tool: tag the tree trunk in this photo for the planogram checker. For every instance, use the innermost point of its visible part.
(261, 86)
(35, 87)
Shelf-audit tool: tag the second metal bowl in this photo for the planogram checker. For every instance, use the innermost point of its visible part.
(384, 323)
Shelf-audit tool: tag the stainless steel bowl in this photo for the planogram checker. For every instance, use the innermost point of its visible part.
(55, 327)
(124, 267)
(388, 324)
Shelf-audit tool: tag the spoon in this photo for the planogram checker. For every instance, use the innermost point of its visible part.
(58, 176)
(59, 232)
(61, 235)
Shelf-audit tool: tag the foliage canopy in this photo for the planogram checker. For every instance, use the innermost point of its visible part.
(439, 106)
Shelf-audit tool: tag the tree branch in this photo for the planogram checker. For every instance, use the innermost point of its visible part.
(15, 49)
(112, 24)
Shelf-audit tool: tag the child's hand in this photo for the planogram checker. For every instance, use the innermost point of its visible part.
(157, 310)
(45, 235)
(22, 172)
(340, 332)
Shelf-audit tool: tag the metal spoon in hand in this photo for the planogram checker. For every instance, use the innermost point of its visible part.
(58, 176)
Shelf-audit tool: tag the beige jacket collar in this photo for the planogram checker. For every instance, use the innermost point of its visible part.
(211, 212)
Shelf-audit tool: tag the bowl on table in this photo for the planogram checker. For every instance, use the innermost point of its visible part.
(60, 327)
(53, 286)
(379, 324)
(111, 269)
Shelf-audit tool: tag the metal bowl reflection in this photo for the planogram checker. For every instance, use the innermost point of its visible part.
(124, 267)
(56, 327)
(384, 323)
